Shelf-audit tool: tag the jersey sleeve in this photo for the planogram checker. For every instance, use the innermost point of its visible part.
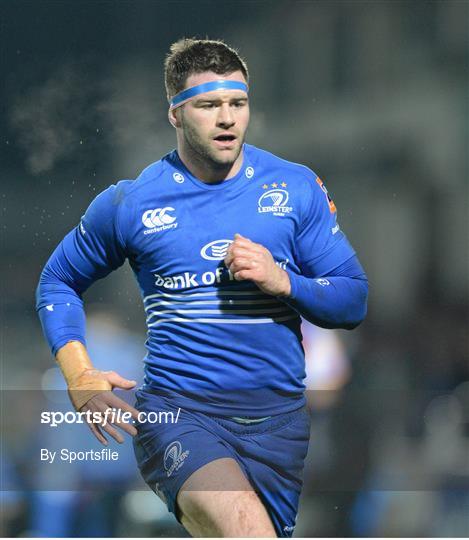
(331, 289)
(320, 244)
(88, 253)
(92, 249)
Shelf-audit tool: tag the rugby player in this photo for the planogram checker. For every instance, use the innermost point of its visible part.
(230, 245)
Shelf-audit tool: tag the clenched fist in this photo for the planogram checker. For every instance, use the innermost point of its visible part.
(247, 260)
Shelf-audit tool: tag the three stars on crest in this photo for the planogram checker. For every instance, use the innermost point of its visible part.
(274, 185)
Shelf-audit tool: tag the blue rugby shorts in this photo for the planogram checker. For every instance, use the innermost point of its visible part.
(270, 453)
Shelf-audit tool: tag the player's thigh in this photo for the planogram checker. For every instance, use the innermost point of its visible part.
(272, 454)
(169, 453)
(218, 500)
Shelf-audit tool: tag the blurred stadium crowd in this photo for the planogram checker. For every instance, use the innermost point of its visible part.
(373, 96)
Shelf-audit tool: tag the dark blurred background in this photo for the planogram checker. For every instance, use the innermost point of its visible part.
(373, 96)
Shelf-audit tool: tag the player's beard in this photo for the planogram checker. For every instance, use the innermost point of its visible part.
(202, 151)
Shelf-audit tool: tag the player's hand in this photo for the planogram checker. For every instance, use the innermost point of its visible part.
(247, 260)
(104, 400)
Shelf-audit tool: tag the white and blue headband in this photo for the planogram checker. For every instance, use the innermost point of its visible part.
(186, 95)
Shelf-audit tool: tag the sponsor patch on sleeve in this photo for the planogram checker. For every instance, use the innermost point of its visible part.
(330, 202)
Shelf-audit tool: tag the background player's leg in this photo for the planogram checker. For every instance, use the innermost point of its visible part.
(218, 500)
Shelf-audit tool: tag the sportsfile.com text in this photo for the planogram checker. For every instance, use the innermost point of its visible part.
(109, 416)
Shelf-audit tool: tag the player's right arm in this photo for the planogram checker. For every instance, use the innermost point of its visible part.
(90, 389)
(89, 252)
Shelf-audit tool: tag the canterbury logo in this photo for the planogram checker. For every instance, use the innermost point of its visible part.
(158, 217)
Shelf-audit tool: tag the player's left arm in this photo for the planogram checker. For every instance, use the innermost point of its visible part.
(331, 290)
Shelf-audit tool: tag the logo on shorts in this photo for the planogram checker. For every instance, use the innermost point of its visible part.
(174, 457)
(158, 220)
(274, 200)
(216, 250)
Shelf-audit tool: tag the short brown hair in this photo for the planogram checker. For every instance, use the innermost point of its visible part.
(188, 56)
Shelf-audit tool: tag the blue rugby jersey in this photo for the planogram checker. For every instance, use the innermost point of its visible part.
(215, 344)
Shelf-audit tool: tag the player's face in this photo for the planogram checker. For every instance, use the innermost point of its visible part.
(214, 124)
